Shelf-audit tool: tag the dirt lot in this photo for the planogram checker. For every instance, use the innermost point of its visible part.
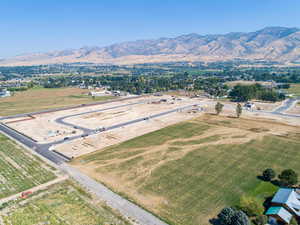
(147, 107)
(44, 129)
(266, 106)
(95, 142)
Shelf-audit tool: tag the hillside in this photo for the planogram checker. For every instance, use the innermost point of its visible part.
(272, 43)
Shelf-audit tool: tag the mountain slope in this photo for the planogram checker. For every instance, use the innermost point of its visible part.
(271, 43)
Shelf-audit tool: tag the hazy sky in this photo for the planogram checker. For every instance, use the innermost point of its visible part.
(43, 25)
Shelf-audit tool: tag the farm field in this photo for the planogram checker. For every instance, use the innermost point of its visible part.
(19, 170)
(61, 204)
(37, 99)
(186, 173)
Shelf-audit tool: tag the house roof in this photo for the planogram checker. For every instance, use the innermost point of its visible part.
(288, 197)
(283, 195)
(281, 212)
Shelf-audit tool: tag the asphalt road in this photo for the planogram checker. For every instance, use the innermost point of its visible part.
(289, 103)
(87, 130)
(115, 201)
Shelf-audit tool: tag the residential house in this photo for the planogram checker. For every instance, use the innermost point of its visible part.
(284, 206)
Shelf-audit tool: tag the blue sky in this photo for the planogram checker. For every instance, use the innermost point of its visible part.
(44, 25)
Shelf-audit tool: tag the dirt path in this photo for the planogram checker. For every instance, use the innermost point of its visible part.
(34, 189)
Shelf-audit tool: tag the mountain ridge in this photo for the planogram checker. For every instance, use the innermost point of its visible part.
(280, 44)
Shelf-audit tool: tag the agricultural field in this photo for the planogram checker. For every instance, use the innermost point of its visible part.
(186, 173)
(37, 99)
(19, 170)
(61, 204)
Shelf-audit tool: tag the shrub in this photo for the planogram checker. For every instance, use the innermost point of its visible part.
(269, 174)
(252, 206)
(260, 220)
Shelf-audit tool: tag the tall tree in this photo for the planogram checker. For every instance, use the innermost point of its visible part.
(288, 177)
(231, 216)
(219, 107)
(239, 110)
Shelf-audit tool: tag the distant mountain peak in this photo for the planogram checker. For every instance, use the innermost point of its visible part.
(270, 43)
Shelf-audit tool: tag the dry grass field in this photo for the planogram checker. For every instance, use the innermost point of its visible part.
(187, 172)
(61, 204)
(37, 99)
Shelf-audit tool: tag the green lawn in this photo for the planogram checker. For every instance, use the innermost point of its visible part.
(215, 176)
(37, 99)
(294, 89)
(19, 170)
(62, 204)
(195, 184)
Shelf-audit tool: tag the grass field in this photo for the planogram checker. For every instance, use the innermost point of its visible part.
(37, 99)
(187, 172)
(294, 89)
(62, 204)
(20, 170)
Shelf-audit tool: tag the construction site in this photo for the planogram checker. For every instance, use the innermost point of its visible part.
(81, 130)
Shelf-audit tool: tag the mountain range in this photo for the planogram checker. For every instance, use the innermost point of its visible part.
(279, 44)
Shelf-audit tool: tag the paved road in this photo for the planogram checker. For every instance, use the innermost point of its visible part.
(61, 120)
(115, 201)
(289, 103)
(280, 111)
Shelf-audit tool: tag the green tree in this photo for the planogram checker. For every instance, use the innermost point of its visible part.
(288, 177)
(240, 218)
(219, 107)
(231, 216)
(226, 215)
(239, 110)
(268, 174)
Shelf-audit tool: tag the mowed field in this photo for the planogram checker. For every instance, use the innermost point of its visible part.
(186, 173)
(19, 170)
(37, 99)
(61, 204)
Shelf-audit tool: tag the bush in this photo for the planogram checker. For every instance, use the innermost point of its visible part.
(288, 177)
(260, 220)
(269, 174)
(251, 206)
(294, 221)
